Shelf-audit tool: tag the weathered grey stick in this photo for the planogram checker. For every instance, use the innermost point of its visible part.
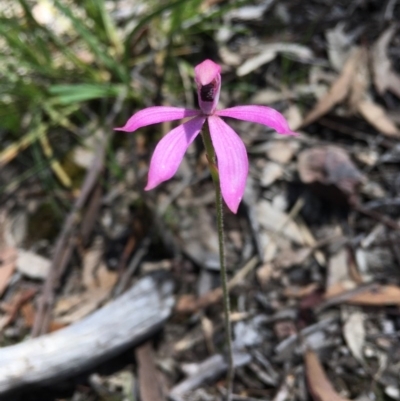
(122, 323)
(209, 369)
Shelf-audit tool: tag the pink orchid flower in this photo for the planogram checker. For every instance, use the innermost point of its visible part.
(231, 153)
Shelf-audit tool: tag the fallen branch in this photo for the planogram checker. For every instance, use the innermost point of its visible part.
(122, 323)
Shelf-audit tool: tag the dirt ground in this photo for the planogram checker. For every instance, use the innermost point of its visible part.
(313, 252)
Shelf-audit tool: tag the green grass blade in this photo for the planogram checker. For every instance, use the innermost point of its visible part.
(98, 49)
(67, 94)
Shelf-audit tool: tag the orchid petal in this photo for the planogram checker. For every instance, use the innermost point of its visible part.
(208, 79)
(233, 165)
(169, 152)
(259, 114)
(154, 115)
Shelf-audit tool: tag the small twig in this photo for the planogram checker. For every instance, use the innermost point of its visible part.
(14, 306)
(64, 247)
(292, 215)
(215, 295)
(91, 215)
(127, 252)
(150, 383)
(236, 397)
(387, 221)
(134, 263)
(343, 297)
(346, 130)
(382, 202)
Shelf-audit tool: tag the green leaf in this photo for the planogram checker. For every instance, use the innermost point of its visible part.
(66, 94)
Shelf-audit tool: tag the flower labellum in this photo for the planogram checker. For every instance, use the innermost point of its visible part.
(231, 153)
(208, 81)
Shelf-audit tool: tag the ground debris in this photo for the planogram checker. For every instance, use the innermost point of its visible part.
(313, 253)
(319, 385)
(331, 173)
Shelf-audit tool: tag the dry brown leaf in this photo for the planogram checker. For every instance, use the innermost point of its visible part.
(368, 157)
(95, 273)
(384, 76)
(339, 288)
(271, 172)
(28, 312)
(282, 151)
(331, 171)
(246, 12)
(292, 257)
(79, 305)
(13, 306)
(354, 81)
(66, 304)
(251, 64)
(338, 269)
(8, 259)
(15, 227)
(32, 265)
(319, 385)
(270, 51)
(300, 292)
(229, 57)
(190, 304)
(264, 273)
(105, 278)
(294, 117)
(360, 82)
(378, 118)
(276, 221)
(379, 295)
(98, 281)
(360, 100)
(339, 89)
(187, 303)
(207, 328)
(354, 332)
(339, 43)
(310, 241)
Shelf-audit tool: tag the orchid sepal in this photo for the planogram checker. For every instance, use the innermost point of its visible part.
(155, 115)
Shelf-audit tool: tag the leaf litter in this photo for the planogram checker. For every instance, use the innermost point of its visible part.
(313, 253)
(354, 83)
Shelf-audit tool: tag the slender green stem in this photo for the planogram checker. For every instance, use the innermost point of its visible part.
(221, 240)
